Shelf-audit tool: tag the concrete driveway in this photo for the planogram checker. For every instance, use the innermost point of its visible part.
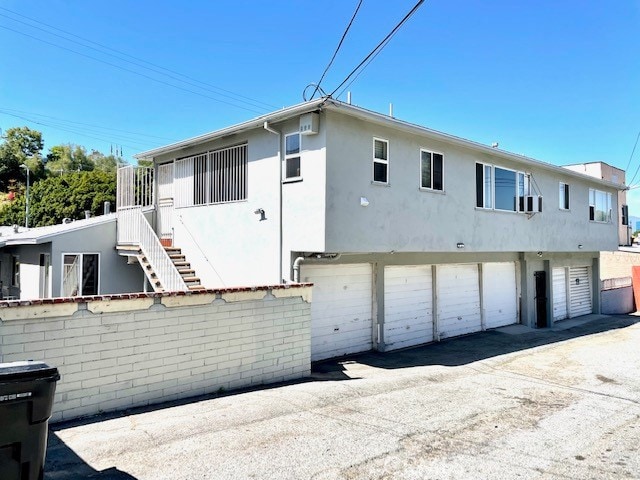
(560, 403)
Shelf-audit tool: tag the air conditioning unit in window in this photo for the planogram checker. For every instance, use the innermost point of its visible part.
(533, 204)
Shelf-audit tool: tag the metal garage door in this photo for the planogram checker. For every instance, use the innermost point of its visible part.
(559, 294)
(499, 294)
(579, 291)
(341, 310)
(408, 306)
(458, 300)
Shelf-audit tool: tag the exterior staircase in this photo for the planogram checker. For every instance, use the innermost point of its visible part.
(187, 273)
(177, 258)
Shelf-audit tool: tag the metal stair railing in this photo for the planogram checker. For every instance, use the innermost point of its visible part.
(134, 229)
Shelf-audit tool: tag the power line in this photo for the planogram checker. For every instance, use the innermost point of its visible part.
(130, 71)
(344, 35)
(119, 52)
(380, 46)
(11, 110)
(631, 156)
(55, 127)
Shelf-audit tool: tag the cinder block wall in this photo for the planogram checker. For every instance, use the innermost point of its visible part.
(617, 264)
(119, 352)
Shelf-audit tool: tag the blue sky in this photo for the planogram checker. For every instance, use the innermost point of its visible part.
(557, 81)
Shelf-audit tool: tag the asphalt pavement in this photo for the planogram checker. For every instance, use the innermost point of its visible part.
(508, 403)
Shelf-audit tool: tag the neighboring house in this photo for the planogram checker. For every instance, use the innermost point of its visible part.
(614, 175)
(409, 235)
(71, 259)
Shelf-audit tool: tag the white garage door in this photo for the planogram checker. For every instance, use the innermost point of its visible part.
(458, 295)
(499, 294)
(341, 310)
(559, 294)
(579, 291)
(408, 306)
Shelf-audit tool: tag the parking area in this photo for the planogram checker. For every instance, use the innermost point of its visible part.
(513, 402)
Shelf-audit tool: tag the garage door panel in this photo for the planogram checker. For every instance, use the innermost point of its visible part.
(408, 306)
(341, 310)
(579, 291)
(458, 300)
(499, 294)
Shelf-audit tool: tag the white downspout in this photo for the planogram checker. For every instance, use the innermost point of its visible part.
(280, 160)
(296, 269)
(320, 258)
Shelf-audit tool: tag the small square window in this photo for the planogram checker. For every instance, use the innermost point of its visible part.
(431, 165)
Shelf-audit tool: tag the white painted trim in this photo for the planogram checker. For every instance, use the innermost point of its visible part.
(380, 160)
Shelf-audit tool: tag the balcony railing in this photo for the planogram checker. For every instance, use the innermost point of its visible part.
(134, 229)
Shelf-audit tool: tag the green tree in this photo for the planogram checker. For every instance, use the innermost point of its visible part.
(62, 196)
(68, 158)
(21, 146)
(105, 163)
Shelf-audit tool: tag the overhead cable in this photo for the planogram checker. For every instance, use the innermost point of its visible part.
(344, 35)
(253, 101)
(631, 157)
(380, 46)
(132, 71)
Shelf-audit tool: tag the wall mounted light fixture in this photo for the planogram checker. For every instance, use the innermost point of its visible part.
(364, 202)
(540, 254)
(460, 245)
(260, 211)
(580, 246)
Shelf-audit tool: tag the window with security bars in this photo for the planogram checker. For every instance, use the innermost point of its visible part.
(218, 176)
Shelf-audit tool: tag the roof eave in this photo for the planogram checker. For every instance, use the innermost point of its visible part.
(411, 127)
(277, 116)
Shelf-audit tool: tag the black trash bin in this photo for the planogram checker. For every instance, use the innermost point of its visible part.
(26, 398)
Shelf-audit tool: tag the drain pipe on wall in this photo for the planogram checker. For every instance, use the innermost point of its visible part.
(318, 258)
(280, 160)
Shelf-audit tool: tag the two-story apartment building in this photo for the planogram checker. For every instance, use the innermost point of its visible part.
(409, 235)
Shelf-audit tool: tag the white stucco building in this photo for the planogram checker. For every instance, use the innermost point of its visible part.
(409, 235)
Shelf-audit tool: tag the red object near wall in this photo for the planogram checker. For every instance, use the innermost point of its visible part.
(635, 275)
(11, 196)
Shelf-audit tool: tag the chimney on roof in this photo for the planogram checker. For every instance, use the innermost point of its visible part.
(87, 214)
(107, 208)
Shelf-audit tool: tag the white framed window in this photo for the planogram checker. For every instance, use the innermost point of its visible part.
(599, 206)
(380, 160)
(80, 274)
(563, 196)
(431, 170)
(44, 290)
(292, 156)
(499, 188)
(484, 186)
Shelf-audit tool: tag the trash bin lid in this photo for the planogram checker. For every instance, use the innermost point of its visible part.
(28, 370)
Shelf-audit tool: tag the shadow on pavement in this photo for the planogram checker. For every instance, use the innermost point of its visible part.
(471, 348)
(62, 463)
